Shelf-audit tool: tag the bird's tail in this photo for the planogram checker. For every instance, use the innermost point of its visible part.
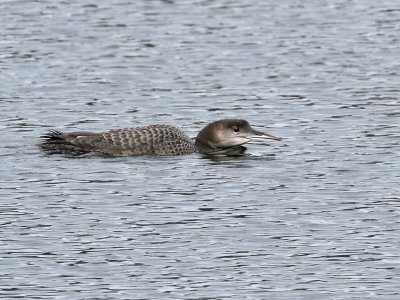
(56, 142)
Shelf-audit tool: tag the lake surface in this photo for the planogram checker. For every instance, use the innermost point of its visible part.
(314, 216)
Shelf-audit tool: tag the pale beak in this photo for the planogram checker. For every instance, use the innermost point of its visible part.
(261, 135)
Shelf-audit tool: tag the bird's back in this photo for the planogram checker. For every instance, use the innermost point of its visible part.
(148, 140)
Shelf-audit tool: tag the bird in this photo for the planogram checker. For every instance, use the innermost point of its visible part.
(224, 137)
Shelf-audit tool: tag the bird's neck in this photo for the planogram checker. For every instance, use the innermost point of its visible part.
(204, 146)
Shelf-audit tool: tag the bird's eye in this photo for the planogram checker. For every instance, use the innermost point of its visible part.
(235, 129)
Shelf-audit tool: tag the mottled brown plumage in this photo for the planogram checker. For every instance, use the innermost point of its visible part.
(148, 140)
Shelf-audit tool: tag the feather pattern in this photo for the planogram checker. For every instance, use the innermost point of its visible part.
(148, 140)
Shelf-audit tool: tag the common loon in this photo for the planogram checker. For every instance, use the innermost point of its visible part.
(220, 137)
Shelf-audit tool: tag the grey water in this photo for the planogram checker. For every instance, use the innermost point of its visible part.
(314, 216)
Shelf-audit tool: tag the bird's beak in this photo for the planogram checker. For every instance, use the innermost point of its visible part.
(261, 135)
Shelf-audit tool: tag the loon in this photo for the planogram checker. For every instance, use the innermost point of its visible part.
(220, 137)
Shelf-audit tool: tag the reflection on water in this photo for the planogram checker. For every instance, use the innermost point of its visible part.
(313, 216)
